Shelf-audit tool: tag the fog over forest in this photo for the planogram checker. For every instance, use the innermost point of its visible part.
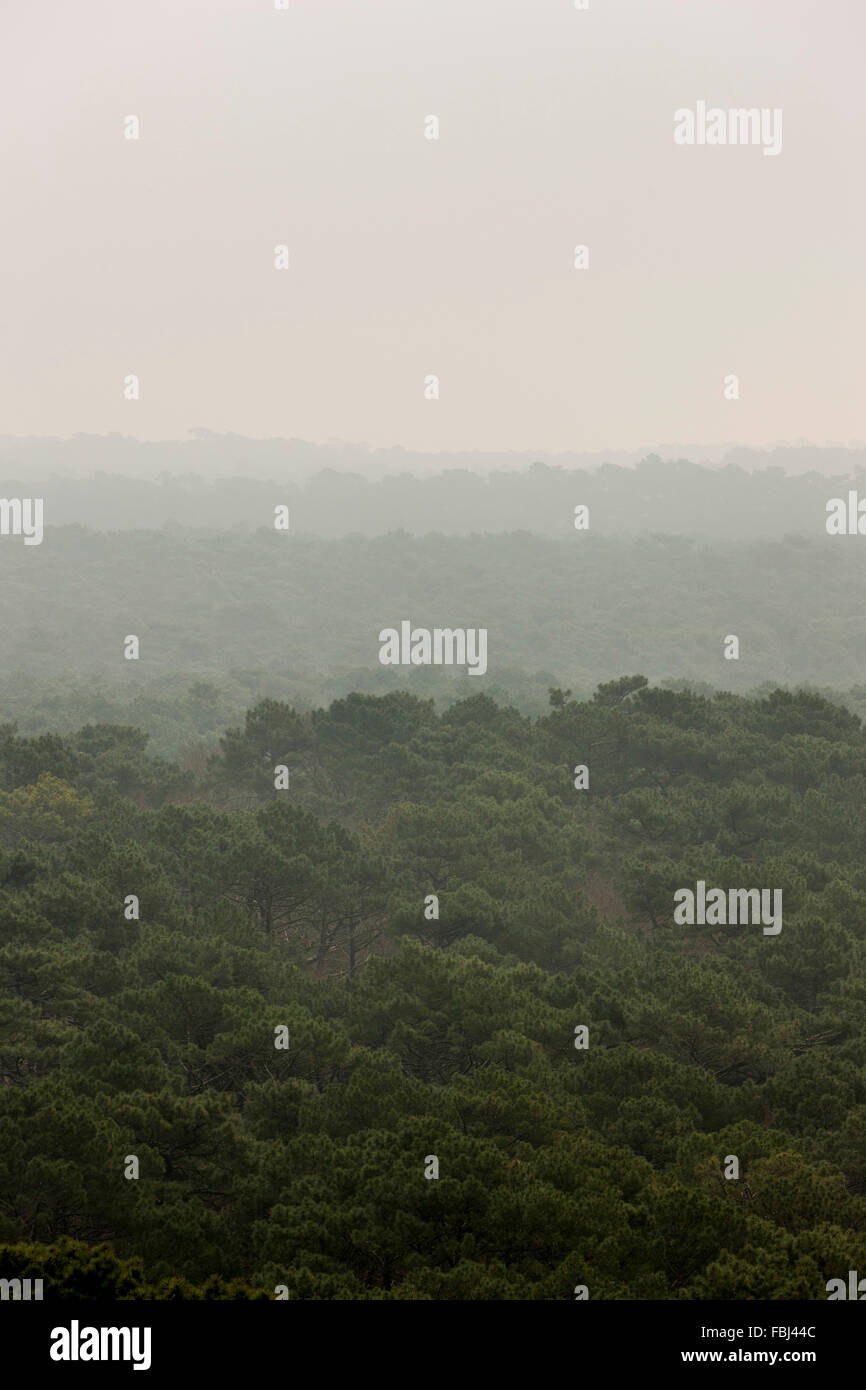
(432, 681)
(670, 557)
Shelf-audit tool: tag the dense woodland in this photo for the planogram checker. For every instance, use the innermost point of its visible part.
(453, 1037)
(302, 614)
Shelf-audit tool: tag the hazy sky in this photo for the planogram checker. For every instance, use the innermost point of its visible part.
(410, 256)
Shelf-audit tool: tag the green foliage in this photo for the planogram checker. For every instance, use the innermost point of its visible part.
(412, 1035)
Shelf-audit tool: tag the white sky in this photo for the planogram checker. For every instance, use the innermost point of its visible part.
(412, 257)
